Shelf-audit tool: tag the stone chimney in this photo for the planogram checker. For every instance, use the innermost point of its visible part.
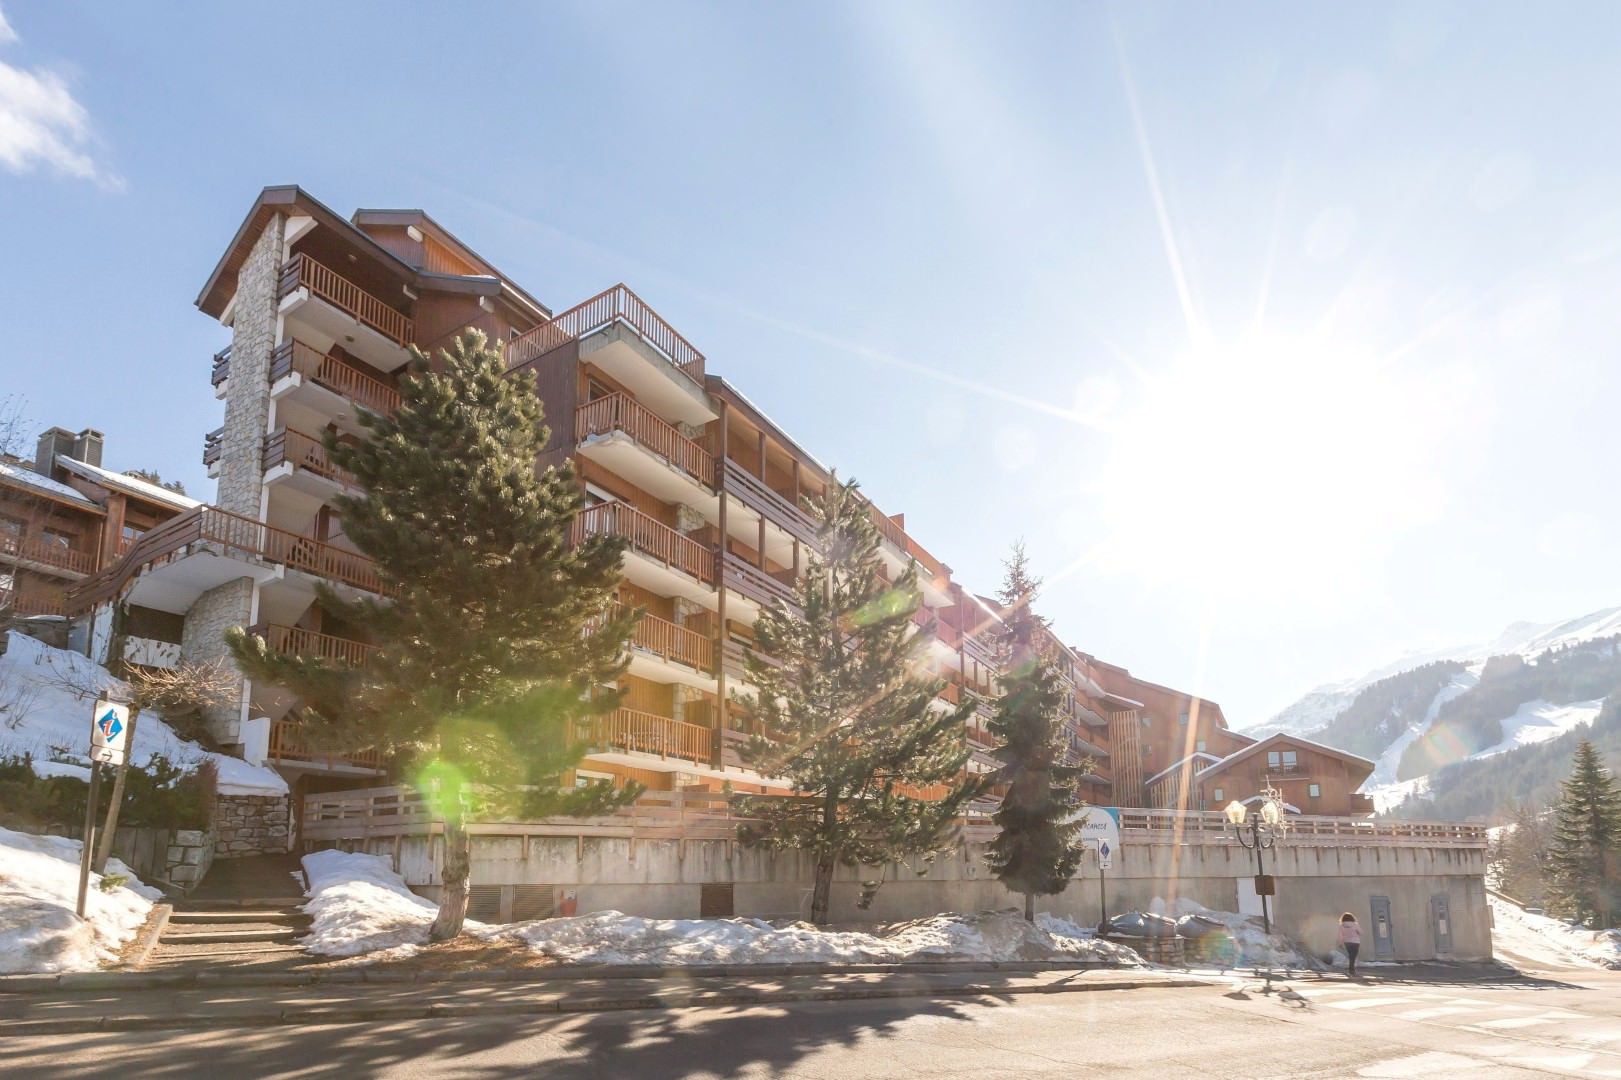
(51, 443)
(87, 447)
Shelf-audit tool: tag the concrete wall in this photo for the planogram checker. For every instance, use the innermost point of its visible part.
(661, 879)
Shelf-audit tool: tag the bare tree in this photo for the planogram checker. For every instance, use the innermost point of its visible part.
(14, 423)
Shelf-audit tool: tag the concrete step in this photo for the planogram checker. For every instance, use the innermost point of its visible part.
(240, 915)
(261, 903)
(211, 936)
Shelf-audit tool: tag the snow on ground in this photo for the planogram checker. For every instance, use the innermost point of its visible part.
(360, 905)
(1539, 721)
(46, 696)
(39, 891)
(611, 937)
(1253, 944)
(1538, 938)
(1384, 770)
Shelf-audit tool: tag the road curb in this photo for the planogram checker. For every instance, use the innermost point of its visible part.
(148, 940)
(680, 998)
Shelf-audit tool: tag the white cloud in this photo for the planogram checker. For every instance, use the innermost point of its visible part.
(41, 124)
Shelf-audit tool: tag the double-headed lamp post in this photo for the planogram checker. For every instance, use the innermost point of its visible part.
(1265, 827)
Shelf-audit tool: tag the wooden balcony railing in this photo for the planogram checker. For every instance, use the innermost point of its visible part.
(239, 536)
(222, 366)
(889, 530)
(303, 272)
(758, 585)
(30, 600)
(287, 745)
(296, 641)
(213, 446)
(617, 304)
(665, 639)
(621, 412)
(778, 509)
(371, 394)
(732, 656)
(650, 537)
(284, 445)
(646, 733)
(46, 552)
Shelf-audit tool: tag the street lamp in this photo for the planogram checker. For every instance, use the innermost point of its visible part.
(1265, 828)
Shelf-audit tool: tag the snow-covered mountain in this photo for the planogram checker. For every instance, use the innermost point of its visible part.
(1317, 708)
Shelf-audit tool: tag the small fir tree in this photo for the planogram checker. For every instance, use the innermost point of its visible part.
(1038, 848)
(847, 718)
(495, 643)
(1584, 859)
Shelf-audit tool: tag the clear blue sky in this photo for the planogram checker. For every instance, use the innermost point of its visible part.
(1285, 334)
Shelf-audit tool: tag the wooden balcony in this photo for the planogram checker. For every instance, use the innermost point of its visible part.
(213, 447)
(621, 412)
(668, 641)
(1362, 804)
(646, 733)
(222, 367)
(238, 536)
(29, 600)
(373, 395)
(287, 746)
(617, 304)
(649, 537)
(296, 641)
(46, 554)
(778, 509)
(761, 586)
(285, 446)
(732, 657)
(303, 272)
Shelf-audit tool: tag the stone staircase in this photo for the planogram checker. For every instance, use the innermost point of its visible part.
(244, 912)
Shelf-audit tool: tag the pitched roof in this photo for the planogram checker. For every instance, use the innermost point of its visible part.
(44, 485)
(1212, 758)
(129, 485)
(1293, 740)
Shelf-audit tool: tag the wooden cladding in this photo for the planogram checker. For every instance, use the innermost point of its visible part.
(758, 585)
(333, 374)
(28, 597)
(646, 733)
(287, 745)
(617, 304)
(46, 551)
(297, 641)
(287, 446)
(621, 412)
(213, 446)
(778, 509)
(650, 537)
(303, 272)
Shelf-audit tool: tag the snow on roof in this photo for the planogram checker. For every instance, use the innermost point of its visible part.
(1294, 740)
(30, 478)
(128, 484)
(1212, 758)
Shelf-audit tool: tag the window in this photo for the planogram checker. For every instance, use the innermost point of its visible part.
(1289, 759)
(10, 527)
(1314, 790)
(60, 540)
(1272, 759)
(1182, 718)
(1198, 746)
(1218, 795)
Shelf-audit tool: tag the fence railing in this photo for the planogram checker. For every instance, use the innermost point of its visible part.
(287, 745)
(621, 412)
(47, 552)
(222, 366)
(646, 733)
(672, 642)
(617, 304)
(284, 445)
(777, 508)
(761, 586)
(297, 641)
(372, 394)
(648, 536)
(303, 272)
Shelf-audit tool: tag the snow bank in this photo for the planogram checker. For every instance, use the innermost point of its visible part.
(1538, 935)
(39, 890)
(1254, 947)
(360, 905)
(44, 718)
(611, 937)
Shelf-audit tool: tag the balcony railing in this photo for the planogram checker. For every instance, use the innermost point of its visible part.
(303, 272)
(47, 552)
(32, 600)
(617, 304)
(646, 733)
(240, 535)
(621, 412)
(287, 745)
(284, 445)
(222, 366)
(650, 537)
(213, 446)
(761, 586)
(297, 641)
(778, 509)
(665, 639)
(732, 656)
(371, 394)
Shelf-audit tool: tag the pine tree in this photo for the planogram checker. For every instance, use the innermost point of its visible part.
(495, 642)
(1584, 859)
(848, 718)
(1038, 848)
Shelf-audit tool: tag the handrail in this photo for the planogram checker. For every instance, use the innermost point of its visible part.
(615, 304)
(672, 642)
(777, 508)
(762, 586)
(621, 412)
(33, 549)
(303, 452)
(372, 394)
(647, 733)
(297, 641)
(301, 271)
(648, 536)
(34, 600)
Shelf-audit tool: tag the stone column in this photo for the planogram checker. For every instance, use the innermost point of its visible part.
(202, 640)
(687, 519)
(247, 398)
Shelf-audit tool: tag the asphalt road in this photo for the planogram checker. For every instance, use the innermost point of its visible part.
(1383, 1027)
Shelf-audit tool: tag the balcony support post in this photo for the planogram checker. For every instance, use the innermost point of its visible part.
(722, 718)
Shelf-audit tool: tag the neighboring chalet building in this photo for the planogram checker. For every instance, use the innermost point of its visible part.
(703, 485)
(1310, 777)
(63, 518)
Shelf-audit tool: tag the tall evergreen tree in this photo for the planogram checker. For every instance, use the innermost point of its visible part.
(847, 717)
(1038, 848)
(1584, 859)
(494, 643)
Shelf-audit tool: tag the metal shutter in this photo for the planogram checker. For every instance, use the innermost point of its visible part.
(715, 901)
(533, 902)
(484, 904)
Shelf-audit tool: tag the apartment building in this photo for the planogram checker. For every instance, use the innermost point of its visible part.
(63, 518)
(702, 484)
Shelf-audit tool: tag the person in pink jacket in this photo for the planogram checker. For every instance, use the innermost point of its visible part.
(1350, 939)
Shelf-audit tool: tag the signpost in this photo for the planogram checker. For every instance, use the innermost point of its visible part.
(109, 723)
(1100, 828)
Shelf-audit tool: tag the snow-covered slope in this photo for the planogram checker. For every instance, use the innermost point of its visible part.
(39, 892)
(46, 696)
